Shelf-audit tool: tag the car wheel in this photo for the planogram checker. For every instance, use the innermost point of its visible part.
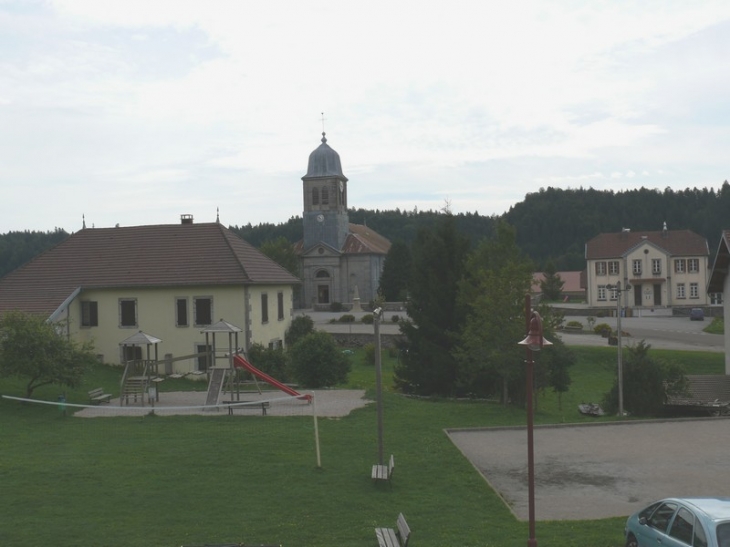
(631, 541)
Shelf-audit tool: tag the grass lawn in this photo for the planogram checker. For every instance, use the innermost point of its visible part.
(192, 480)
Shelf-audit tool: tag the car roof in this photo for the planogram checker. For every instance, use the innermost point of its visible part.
(716, 508)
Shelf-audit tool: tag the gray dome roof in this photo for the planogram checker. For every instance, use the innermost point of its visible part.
(324, 162)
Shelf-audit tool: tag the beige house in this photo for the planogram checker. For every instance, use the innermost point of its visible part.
(169, 281)
(720, 283)
(668, 268)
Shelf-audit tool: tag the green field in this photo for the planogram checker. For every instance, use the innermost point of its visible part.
(191, 480)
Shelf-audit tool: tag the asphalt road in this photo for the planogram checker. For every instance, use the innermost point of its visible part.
(660, 332)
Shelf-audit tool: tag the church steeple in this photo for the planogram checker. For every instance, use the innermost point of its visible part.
(325, 198)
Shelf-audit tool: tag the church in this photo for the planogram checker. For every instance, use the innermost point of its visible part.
(341, 262)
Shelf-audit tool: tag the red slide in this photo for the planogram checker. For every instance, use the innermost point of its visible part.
(240, 362)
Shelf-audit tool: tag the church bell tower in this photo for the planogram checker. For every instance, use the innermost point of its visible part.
(325, 199)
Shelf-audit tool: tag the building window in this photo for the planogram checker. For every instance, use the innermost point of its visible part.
(600, 268)
(89, 313)
(128, 312)
(680, 291)
(601, 292)
(680, 265)
(325, 196)
(264, 308)
(656, 266)
(280, 306)
(636, 267)
(315, 196)
(181, 312)
(613, 267)
(694, 290)
(693, 265)
(716, 298)
(275, 344)
(613, 294)
(203, 309)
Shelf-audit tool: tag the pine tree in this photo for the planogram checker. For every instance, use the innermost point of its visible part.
(552, 284)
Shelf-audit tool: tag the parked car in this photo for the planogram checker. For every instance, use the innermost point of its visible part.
(696, 314)
(675, 522)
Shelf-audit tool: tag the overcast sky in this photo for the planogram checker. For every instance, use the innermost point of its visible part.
(134, 112)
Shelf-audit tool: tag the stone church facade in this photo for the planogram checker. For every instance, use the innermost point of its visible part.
(341, 262)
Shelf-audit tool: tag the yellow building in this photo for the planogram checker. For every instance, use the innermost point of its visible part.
(170, 281)
(661, 269)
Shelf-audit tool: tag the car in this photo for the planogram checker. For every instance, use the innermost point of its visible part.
(675, 522)
(696, 314)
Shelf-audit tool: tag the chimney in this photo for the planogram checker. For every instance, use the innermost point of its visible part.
(665, 233)
(186, 219)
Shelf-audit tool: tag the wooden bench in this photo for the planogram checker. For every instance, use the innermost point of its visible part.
(394, 537)
(97, 396)
(234, 405)
(383, 472)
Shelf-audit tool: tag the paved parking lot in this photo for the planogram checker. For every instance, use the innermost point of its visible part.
(598, 471)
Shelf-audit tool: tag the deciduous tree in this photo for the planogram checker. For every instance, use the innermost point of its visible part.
(31, 348)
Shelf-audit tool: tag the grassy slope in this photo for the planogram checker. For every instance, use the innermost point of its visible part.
(193, 480)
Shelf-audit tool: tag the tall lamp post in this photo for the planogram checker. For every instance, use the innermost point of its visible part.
(533, 342)
(620, 372)
(377, 316)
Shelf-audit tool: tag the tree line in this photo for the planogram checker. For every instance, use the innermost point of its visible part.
(551, 224)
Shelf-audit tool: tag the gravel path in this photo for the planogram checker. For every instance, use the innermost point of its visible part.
(327, 403)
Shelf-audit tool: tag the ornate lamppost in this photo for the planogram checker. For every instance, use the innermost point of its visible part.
(620, 373)
(533, 342)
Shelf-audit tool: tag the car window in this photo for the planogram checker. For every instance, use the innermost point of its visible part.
(682, 526)
(700, 536)
(660, 518)
(723, 534)
(646, 513)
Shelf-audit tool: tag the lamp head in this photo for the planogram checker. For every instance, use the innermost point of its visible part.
(534, 339)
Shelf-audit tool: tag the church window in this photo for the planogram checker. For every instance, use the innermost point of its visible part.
(325, 196)
(315, 196)
(322, 273)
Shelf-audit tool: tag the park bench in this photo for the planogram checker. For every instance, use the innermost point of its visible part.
(97, 396)
(394, 537)
(383, 472)
(235, 405)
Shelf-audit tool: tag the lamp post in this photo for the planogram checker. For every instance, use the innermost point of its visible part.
(620, 372)
(533, 342)
(377, 315)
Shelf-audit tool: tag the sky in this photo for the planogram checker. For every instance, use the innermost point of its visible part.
(134, 112)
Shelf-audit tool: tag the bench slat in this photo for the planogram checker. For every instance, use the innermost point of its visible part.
(387, 537)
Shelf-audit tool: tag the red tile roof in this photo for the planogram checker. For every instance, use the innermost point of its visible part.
(140, 256)
(674, 242)
(572, 282)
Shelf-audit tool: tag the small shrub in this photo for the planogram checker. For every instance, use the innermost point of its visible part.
(603, 329)
(316, 361)
(395, 318)
(367, 319)
(591, 321)
(299, 328)
(574, 324)
(347, 318)
(336, 307)
(369, 354)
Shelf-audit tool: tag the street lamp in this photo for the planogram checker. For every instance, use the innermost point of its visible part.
(619, 290)
(377, 316)
(533, 342)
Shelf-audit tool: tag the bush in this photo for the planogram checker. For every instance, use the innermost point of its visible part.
(316, 361)
(395, 318)
(336, 307)
(299, 328)
(368, 319)
(347, 318)
(646, 383)
(271, 361)
(574, 324)
(603, 329)
(369, 354)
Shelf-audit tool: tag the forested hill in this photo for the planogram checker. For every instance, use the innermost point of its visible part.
(551, 223)
(554, 223)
